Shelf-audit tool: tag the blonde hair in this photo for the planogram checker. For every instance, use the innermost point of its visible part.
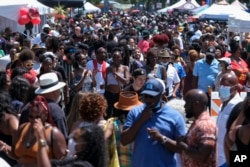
(74, 114)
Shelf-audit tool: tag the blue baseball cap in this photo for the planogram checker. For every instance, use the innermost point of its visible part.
(153, 87)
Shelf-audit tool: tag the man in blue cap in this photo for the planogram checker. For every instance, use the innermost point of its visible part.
(154, 128)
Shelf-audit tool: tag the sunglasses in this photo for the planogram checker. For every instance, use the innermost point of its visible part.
(29, 65)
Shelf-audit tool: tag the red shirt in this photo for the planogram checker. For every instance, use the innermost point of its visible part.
(241, 69)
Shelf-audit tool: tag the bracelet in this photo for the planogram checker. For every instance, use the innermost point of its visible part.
(42, 143)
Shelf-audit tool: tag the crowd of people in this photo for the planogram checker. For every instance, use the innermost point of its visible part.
(114, 90)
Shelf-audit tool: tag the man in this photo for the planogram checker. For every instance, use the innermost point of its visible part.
(40, 38)
(173, 79)
(153, 127)
(98, 68)
(205, 72)
(229, 96)
(199, 145)
(50, 88)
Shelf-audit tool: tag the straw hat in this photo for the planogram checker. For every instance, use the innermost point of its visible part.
(127, 100)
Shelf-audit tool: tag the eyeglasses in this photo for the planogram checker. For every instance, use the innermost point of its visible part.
(61, 48)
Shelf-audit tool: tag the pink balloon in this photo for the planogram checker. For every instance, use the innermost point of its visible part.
(23, 11)
(36, 20)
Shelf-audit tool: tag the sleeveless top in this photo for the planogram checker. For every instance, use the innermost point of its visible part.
(29, 155)
(241, 146)
(86, 86)
(111, 80)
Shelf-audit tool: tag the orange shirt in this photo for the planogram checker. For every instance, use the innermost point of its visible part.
(241, 69)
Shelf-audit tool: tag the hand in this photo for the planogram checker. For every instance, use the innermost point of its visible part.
(181, 143)
(147, 113)
(38, 129)
(3, 146)
(154, 134)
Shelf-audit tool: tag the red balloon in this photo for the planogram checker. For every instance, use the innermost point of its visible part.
(23, 11)
(33, 12)
(22, 20)
(36, 20)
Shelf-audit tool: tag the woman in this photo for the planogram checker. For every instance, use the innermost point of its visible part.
(153, 69)
(26, 145)
(117, 76)
(136, 62)
(74, 118)
(92, 109)
(139, 79)
(237, 137)
(239, 66)
(225, 64)
(26, 58)
(8, 128)
(18, 91)
(81, 79)
(192, 57)
(89, 147)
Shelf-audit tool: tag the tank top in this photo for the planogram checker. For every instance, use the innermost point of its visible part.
(29, 155)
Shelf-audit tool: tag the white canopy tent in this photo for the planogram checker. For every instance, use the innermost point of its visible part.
(238, 4)
(221, 12)
(176, 5)
(9, 11)
(88, 8)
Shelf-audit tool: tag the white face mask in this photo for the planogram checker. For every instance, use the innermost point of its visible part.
(58, 99)
(224, 93)
(81, 67)
(71, 147)
(165, 64)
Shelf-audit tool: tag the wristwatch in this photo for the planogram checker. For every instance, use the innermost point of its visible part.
(42, 143)
(164, 139)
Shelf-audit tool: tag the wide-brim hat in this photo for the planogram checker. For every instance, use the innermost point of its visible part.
(49, 83)
(127, 100)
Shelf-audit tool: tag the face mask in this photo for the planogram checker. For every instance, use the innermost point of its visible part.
(209, 58)
(165, 64)
(71, 147)
(224, 93)
(58, 99)
(158, 105)
(81, 67)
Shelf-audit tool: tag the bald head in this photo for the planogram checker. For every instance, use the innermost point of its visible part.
(229, 79)
(197, 95)
(196, 103)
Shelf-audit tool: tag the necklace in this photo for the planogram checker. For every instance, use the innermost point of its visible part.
(30, 139)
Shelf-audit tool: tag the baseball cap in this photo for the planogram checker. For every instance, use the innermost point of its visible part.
(210, 51)
(153, 87)
(226, 60)
(138, 72)
(45, 26)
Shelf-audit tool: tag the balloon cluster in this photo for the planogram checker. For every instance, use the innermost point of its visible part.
(29, 15)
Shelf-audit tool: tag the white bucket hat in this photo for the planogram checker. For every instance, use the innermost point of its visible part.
(49, 83)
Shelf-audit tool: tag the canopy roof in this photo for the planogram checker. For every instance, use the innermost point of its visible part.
(179, 4)
(238, 4)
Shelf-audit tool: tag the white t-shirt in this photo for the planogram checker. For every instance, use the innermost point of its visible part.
(172, 78)
(99, 78)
